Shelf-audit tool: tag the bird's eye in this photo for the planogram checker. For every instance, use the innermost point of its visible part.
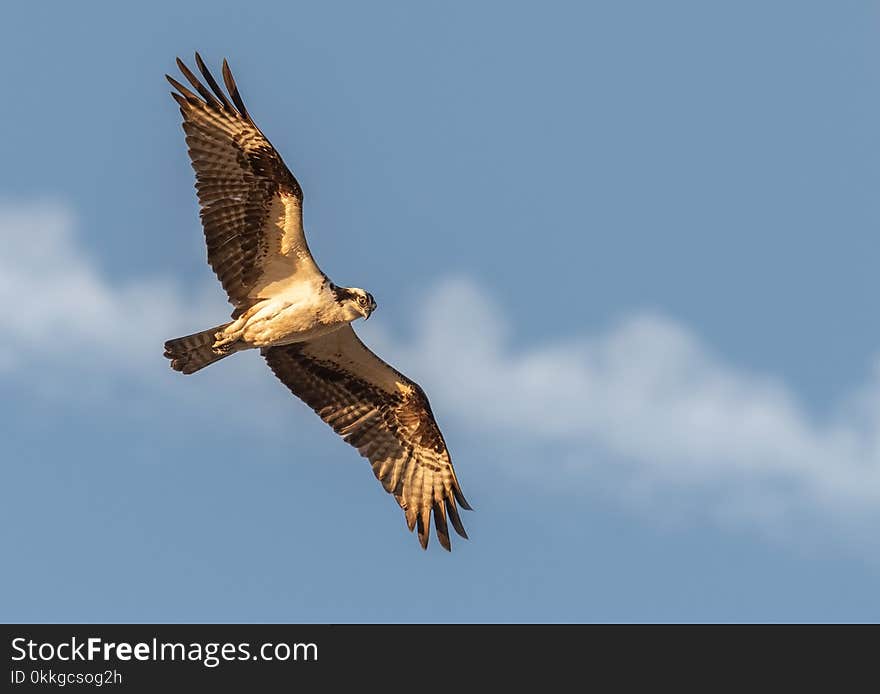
(362, 300)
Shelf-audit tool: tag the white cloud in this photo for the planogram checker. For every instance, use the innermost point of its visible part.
(643, 407)
(647, 409)
(57, 304)
(69, 329)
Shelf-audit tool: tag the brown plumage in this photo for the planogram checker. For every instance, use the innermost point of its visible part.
(251, 204)
(251, 210)
(383, 414)
(191, 353)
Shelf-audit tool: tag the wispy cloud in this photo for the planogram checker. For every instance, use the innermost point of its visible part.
(70, 333)
(64, 307)
(642, 407)
(645, 408)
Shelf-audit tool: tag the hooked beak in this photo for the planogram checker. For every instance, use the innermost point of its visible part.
(370, 309)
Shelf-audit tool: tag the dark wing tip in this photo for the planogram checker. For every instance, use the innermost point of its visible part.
(232, 88)
(184, 92)
(454, 518)
(441, 527)
(181, 101)
(212, 83)
(423, 520)
(209, 98)
(460, 498)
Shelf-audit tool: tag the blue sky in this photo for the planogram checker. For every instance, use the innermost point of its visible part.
(628, 248)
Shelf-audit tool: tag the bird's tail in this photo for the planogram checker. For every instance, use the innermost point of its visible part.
(193, 352)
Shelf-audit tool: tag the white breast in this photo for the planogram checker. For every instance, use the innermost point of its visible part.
(299, 312)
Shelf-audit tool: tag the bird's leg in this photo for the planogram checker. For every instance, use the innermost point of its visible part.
(226, 338)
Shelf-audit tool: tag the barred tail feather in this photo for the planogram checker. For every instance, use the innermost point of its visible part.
(193, 352)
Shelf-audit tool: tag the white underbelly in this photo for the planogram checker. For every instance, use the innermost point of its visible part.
(279, 322)
(303, 335)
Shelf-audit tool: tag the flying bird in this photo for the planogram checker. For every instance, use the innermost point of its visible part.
(285, 306)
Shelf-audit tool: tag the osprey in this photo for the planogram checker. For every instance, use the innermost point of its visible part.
(285, 306)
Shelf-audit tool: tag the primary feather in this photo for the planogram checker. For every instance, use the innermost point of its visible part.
(251, 210)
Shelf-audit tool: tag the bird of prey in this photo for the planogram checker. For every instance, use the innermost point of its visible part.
(285, 306)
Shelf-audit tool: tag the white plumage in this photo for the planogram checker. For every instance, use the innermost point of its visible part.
(284, 305)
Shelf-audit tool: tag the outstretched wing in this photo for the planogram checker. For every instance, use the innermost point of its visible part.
(385, 416)
(251, 205)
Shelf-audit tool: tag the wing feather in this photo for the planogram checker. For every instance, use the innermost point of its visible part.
(383, 414)
(251, 204)
(209, 78)
(454, 517)
(209, 98)
(440, 524)
(232, 88)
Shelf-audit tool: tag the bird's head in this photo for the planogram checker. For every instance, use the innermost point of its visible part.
(356, 303)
